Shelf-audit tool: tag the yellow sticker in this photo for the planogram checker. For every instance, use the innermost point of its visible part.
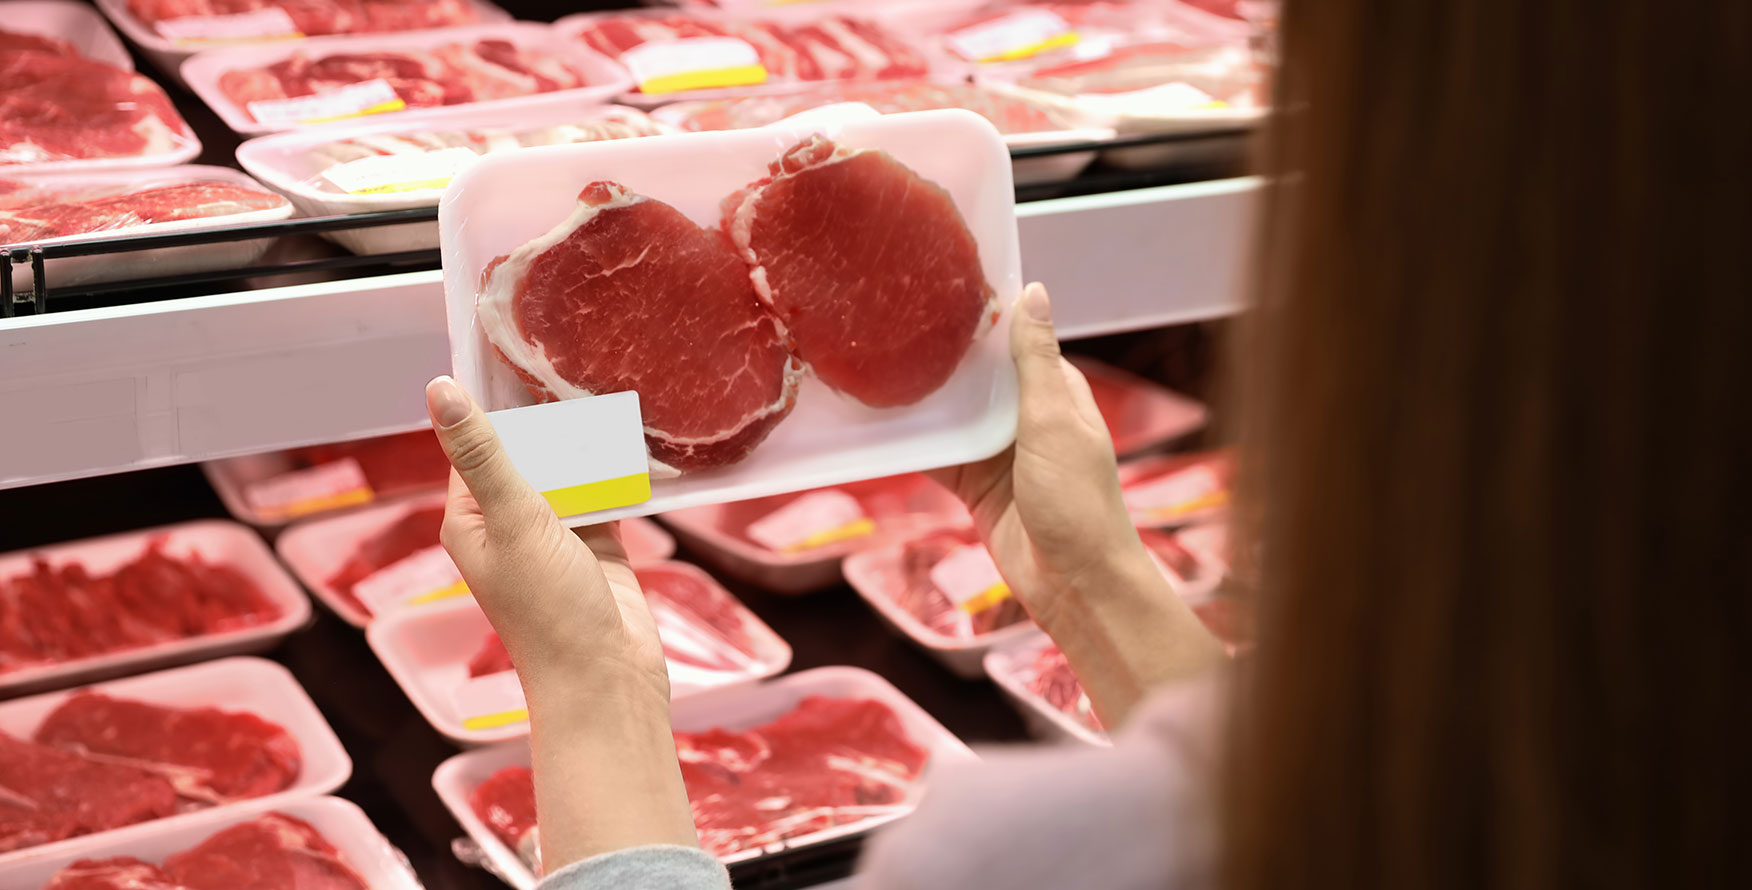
(694, 63)
(494, 721)
(584, 455)
(604, 495)
(857, 528)
(330, 486)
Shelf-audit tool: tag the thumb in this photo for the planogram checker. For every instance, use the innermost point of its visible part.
(1034, 347)
(473, 447)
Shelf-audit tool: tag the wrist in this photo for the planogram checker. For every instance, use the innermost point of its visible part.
(1122, 574)
(596, 684)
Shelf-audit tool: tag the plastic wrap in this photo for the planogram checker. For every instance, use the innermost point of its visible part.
(710, 640)
(731, 407)
(1140, 414)
(1033, 673)
(263, 89)
(406, 160)
(869, 737)
(62, 26)
(323, 839)
(104, 606)
(233, 734)
(271, 489)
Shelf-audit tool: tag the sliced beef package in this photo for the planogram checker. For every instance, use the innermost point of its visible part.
(1010, 114)
(415, 531)
(274, 851)
(57, 106)
(316, 17)
(40, 209)
(48, 794)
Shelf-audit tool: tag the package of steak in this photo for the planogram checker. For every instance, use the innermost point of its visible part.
(387, 556)
(844, 753)
(167, 748)
(459, 675)
(301, 83)
(714, 317)
(1172, 490)
(1140, 413)
(269, 490)
(1033, 674)
(320, 843)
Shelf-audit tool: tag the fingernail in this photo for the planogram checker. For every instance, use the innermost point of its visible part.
(446, 402)
(1036, 304)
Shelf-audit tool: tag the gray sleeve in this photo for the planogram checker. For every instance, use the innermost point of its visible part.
(655, 867)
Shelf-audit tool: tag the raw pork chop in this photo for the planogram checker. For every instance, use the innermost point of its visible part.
(207, 754)
(869, 267)
(47, 794)
(120, 873)
(272, 852)
(56, 107)
(629, 294)
(73, 213)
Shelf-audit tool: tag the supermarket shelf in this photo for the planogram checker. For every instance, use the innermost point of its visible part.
(127, 387)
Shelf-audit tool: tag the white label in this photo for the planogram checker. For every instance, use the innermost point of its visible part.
(353, 100)
(817, 518)
(694, 63)
(1209, 543)
(401, 172)
(423, 576)
(970, 579)
(269, 23)
(1015, 36)
(583, 455)
(1172, 97)
(1177, 494)
(330, 486)
(491, 701)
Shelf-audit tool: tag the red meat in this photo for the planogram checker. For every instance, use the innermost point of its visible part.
(629, 294)
(119, 873)
(915, 592)
(491, 658)
(14, 41)
(47, 794)
(207, 754)
(869, 267)
(1008, 113)
(322, 16)
(506, 802)
(56, 107)
(824, 48)
(413, 532)
(1050, 677)
(272, 852)
(76, 214)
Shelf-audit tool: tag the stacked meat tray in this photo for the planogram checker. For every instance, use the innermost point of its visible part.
(175, 710)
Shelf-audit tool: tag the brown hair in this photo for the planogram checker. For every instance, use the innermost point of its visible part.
(1496, 391)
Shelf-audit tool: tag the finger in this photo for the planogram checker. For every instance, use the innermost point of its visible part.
(474, 450)
(604, 540)
(1035, 349)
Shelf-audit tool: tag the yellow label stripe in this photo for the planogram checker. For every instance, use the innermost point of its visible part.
(1214, 499)
(987, 598)
(352, 497)
(455, 590)
(857, 528)
(1069, 38)
(604, 495)
(494, 721)
(737, 76)
(395, 104)
(436, 182)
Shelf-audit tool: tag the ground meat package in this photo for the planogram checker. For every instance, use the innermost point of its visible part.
(794, 543)
(159, 750)
(342, 558)
(61, 207)
(873, 719)
(454, 669)
(315, 843)
(138, 600)
(271, 489)
(273, 87)
(405, 160)
(850, 325)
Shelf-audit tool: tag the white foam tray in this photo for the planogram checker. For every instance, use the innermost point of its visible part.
(961, 655)
(76, 23)
(427, 651)
(502, 202)
(231, 476)
(316, 548)
(204, 69)
(735, 709)
(161, 261)
(1143, 470)
(215, 540)
(168, 57)
(359, 843)
(1003, 663)
(248, 685)
(283, 162)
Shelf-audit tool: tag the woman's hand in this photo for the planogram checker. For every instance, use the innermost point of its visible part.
(576, 625)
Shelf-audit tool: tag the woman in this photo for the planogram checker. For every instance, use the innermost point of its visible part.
(1496, 466)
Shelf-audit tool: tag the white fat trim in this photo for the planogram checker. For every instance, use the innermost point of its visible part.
(868, 54)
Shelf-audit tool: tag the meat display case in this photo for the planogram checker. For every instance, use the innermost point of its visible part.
(310, 344)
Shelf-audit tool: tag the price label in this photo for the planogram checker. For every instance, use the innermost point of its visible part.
(330, 486)
(425, 576)
(491, 701)
(271, 23)
(694, 63)
(353, 100)
(1177, 495)
(813, 520)
(583, 455)
(400, 172)
(969, 578)
(1019, 35)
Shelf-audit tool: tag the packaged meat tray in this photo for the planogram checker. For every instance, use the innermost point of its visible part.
(457, 673)
(1140, 414)
(1033, 674)
(60, 26)
(62, 110)
(730, 409)
(267, 88)
(272, 489)
(1166, 491)
(318, 843)
(374, 547)
(57, 208)
(102, 607)
(169, 31)
(794, 543)
(1023, 123)
(137, 756)
(872, 712)
(405, 160)
(677, 55)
